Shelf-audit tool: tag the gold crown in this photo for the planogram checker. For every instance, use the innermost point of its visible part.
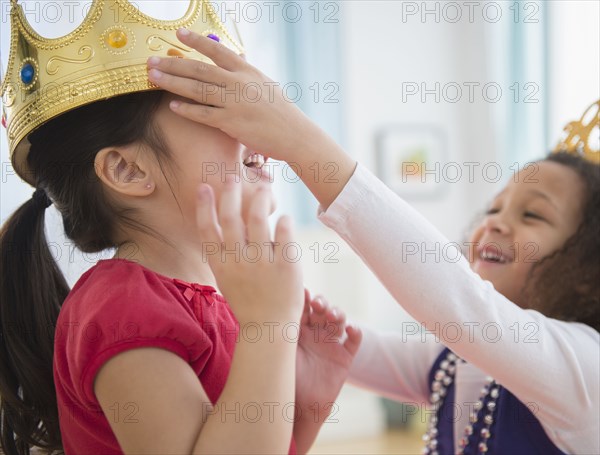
(577, 137)
(103, 57)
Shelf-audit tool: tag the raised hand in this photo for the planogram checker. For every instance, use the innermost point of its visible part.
(238, 99)
(259, 288)
(266, 288)
(326, 349)
(233, 96)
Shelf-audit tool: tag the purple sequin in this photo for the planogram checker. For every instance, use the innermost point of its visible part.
(214, 37)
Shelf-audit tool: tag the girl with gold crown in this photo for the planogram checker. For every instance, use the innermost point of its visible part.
(523, 376)
(149, 352)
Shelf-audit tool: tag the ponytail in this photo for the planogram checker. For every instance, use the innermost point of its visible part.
(32, 287)
(32, 290)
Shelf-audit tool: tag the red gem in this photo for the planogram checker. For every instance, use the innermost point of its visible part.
(4, 120)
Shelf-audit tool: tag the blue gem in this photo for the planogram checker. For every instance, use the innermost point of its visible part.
(27, 73)
(214, 37)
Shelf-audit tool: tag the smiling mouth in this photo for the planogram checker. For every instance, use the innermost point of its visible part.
(255, 160)
(493, 257)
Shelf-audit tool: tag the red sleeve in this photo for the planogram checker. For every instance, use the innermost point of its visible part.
(117, 307)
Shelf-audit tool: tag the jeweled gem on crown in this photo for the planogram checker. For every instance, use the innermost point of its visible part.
(27, 73)
(117, 39)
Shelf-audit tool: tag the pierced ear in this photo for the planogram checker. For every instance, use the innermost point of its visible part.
(123, 175)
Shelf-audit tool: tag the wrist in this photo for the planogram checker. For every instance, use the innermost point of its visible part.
(325, 169)
(313, 413)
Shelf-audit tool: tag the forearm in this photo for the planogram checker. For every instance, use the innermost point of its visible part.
(445, 293)
(322, 164)
(395, 364)
(250, 415)
(305, 433)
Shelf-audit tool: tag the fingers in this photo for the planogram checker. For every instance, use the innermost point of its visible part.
(258, 214)
(326, 317)
(191, 68)
(208, 115)
(307, 298)
(192, 88)
(230, 217)
(353, 340)
(305, 319)
(221, 55)
(206, 215)
(208, 226)
(284, 235)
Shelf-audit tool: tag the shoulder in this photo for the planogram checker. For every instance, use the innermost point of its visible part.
(118, 277)
(120, 288)
(116, 306)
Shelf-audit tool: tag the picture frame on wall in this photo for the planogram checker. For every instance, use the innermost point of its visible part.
(412, 160)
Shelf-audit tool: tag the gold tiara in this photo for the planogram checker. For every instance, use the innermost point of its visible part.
(104, 57)
(577, 135)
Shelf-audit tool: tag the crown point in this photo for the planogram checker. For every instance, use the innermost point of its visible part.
(87, 73)
(116, 39)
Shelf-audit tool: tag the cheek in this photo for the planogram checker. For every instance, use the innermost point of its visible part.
(537, 244)
(530, 252)
(521, 269)
(517, 281)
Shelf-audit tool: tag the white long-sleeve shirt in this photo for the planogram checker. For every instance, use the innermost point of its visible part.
(552, 365)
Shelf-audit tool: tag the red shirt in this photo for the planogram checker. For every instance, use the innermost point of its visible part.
(119, 305)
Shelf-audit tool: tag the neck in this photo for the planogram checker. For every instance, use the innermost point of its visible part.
(182, 260)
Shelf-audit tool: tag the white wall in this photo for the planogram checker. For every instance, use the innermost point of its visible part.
(381, 51)
(574, 63)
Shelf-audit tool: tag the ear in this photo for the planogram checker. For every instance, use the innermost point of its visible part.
(125, 170)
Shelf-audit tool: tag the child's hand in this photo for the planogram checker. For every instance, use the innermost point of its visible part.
(252, 272)
(242, 102)
(234, 97)
(326, 349)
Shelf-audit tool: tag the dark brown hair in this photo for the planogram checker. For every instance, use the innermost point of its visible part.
(32, 287)
(566, 285)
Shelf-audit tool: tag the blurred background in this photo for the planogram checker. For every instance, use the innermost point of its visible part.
(444, 101)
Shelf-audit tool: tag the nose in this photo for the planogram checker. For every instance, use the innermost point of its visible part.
(498, 223)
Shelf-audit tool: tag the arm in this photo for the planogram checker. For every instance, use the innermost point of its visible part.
(437, 293)
(515, 346)
(395, 365)
(175, 415)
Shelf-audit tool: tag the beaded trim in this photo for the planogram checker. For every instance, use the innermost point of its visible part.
(442, 380)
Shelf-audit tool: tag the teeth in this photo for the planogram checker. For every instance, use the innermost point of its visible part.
(255, 160)
(492, 256)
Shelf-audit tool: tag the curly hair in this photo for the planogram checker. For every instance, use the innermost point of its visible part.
(566, 284)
